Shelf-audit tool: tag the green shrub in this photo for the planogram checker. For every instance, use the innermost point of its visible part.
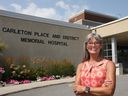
(2, 46)
(61, 68)
(27, 68)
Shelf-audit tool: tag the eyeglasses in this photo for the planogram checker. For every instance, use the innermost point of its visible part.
(95, 43)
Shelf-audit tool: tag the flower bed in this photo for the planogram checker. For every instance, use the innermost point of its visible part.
(27, 71)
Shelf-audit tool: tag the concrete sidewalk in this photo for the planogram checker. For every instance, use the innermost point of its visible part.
(8, 89)
(121, 86)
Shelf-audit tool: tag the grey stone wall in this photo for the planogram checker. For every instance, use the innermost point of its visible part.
(37, 37)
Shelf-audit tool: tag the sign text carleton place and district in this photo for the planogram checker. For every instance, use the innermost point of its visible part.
(39, 37)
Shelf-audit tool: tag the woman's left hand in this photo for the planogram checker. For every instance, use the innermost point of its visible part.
(78, 89)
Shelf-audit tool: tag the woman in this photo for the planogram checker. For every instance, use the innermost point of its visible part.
(96, 76)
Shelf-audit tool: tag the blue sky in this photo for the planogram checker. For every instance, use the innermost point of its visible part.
(64, 9)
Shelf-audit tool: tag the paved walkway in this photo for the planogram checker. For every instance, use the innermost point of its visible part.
(122, 86)
(26, 88)
(65, 89)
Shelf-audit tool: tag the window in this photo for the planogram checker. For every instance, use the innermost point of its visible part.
(107, 48)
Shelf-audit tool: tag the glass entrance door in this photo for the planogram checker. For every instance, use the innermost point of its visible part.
(122, 52)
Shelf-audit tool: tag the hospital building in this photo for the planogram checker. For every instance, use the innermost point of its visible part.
(32, 36)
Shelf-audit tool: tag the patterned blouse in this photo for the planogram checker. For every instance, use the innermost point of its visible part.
(94, 75)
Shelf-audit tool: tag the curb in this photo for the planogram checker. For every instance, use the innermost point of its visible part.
(17, 88)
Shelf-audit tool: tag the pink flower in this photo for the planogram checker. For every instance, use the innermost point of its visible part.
(44, 78)
(13, 82)
(25, 81)
(51, 78)
(47, 78)
(2, 70)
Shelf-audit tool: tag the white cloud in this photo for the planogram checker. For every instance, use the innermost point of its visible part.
(33, 9)
(62, 4)
(2, 8)
(16, 7)
(70, 9)
(62, 11)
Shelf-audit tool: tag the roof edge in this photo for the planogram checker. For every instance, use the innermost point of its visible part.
(109, 23)
(97, 13)
(40, 19)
